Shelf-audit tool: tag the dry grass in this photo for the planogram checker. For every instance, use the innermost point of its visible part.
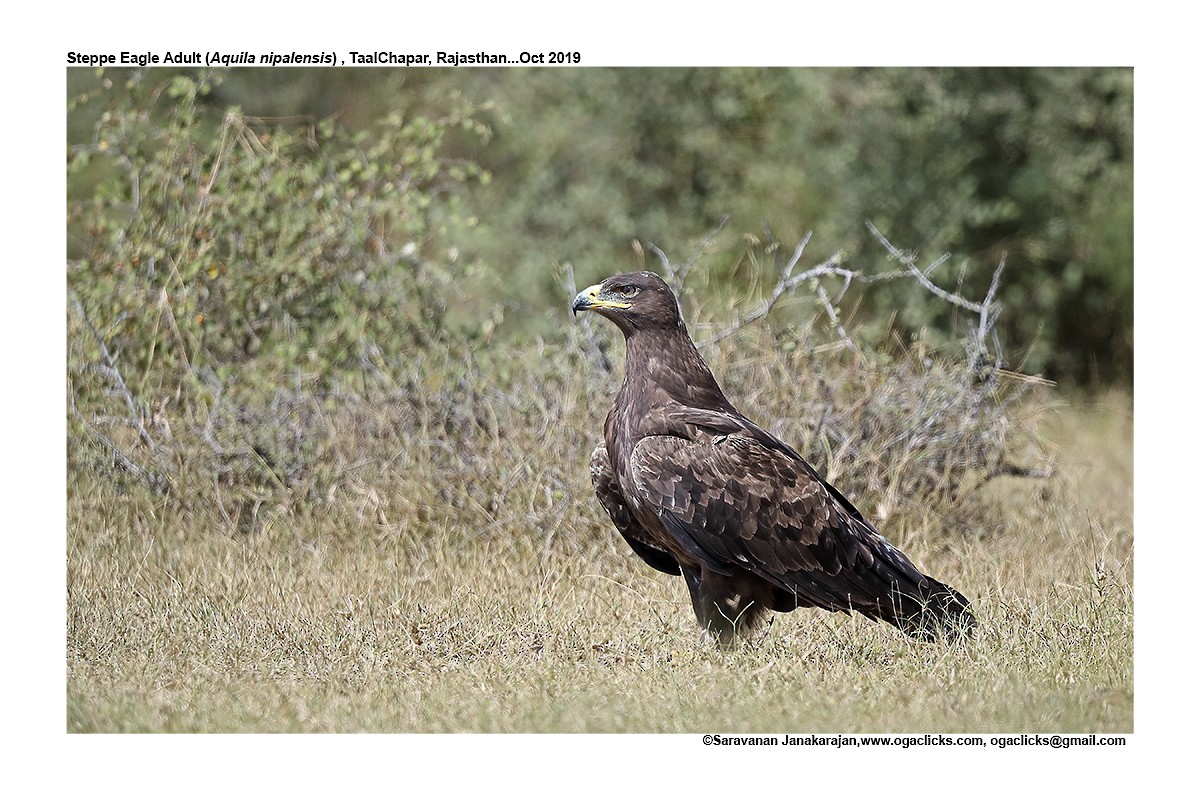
(468, 582)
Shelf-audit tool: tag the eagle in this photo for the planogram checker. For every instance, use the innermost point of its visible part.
(699, 490)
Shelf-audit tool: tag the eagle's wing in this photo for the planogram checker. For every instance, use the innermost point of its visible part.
(605, 482)
(684, 420)
(741, 502)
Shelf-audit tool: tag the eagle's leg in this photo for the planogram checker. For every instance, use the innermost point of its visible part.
(726, 606)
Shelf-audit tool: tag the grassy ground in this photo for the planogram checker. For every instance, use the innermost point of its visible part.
(323, 621)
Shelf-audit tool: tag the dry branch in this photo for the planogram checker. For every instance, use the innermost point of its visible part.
(947, 421)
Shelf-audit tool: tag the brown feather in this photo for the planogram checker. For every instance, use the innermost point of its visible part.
(604, 480)
(696, 488)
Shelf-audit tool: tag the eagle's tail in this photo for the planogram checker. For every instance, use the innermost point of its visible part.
(932, 611)
(929, 611)
(900, 594)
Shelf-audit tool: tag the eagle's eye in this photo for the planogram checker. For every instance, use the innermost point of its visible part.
(627, 291)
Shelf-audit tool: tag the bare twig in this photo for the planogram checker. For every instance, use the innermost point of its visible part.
(963, 420)
(785, 272)
(984, 357)
(676, 276)
(980, 356)
(126, 463)
(987, 319)
(786, 284)
(909, 260)
(832, 313)
(701, 247)
(111, 371)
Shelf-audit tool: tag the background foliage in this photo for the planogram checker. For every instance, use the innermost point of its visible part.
(209, 237)
(589, 167)
(976, 162)
(256, 254)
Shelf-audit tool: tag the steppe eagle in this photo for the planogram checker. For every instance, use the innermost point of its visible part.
(697, 489)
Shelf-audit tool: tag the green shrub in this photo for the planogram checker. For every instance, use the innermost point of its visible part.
(1037, 163)
(209, 241)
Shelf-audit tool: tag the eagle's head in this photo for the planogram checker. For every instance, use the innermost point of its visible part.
(633, 300)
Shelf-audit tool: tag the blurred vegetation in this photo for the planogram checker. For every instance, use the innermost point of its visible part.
(1037, 163)
(590, 166)
(204, 237)
(278, 276)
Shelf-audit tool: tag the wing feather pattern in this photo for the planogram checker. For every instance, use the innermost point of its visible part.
(604, 480)
(746, 502)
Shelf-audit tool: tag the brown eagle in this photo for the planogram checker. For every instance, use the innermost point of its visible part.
(697, 489)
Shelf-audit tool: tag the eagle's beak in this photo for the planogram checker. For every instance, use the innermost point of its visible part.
(591, 298)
